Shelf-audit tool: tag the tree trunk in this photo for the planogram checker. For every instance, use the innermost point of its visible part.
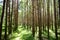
(6, 20)
(55, 19)
(2, 18)
(33, 28)
(48, 13)
(15, 10)
(39, 19)
(9, 20)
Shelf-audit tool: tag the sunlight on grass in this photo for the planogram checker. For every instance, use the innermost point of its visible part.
(23, 34)
(18, 38)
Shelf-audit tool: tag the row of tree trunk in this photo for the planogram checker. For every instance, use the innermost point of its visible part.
(37, 7)
(8, 17)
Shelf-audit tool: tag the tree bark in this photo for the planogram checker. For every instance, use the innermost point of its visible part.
(6, 20)
(15, 10)
(48, 13)
(33, 28)
(2, 19)
(55, 19)
(39, 19)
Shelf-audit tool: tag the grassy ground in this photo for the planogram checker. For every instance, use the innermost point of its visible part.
(24, 34)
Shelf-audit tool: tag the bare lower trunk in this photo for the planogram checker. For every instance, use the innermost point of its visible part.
(2, 16)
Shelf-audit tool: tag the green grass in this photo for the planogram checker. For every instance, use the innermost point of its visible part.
(24, 34)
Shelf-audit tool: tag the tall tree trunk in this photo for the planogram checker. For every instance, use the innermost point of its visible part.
(6, 20)
(2, 18)
(52, 13)
(48, 12)
(39, 19)
(59, 7)
(11, 15)
(43, 14)
(59, 11)
(36, 15)
(27, 14)
(33, 28)
(55, 19)
(9, 20)
(15, 9)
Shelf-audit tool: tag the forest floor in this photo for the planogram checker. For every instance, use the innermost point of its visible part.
(23, 34)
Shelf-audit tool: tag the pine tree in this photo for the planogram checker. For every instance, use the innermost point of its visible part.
(33, 28)
(6, 20)
(2, 16)
(39, 19)
(48, 12)
(55, 19)
(15, 10)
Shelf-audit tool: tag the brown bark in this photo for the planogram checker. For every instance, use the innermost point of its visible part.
(39, 19)
(8, 18)
(55, 19)
(15, 10)
(33, 28)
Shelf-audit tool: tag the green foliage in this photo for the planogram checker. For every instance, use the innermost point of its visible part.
(27, 36)
(51, 34)
(22, 34)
